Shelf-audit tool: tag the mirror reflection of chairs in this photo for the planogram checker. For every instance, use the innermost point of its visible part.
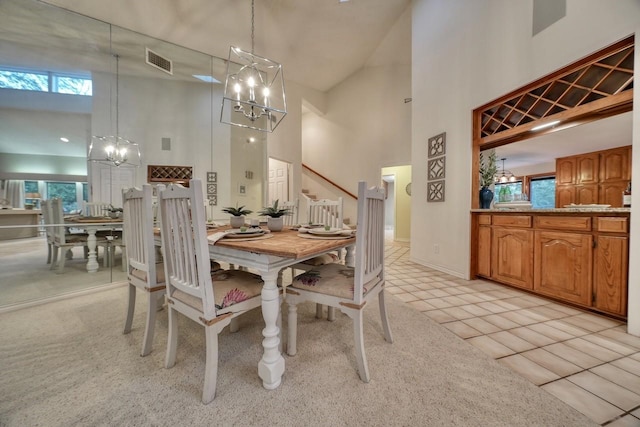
(345, 288)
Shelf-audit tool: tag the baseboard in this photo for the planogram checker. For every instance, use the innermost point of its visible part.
(439, 268)
(68, 295)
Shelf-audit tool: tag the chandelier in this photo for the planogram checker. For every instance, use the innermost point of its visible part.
(504, 175)
(254, 89)
(113, 150)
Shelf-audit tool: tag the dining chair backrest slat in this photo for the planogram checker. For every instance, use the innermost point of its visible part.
(95, 208)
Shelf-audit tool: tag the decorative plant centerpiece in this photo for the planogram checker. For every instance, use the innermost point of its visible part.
(275, 222)
(488, 170)
(114, 212)
(237, 215)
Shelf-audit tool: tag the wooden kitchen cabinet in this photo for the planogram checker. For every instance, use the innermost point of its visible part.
(563, 265)
(586, 194)
(577, 257)
(610, 193)
(484, 251)
(615, 165)
(565, 171)
(593, 178)
(588, 168)
(512, 256)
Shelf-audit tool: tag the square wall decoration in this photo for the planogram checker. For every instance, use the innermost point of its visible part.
(435, 191)
(436, 150)
(438, 145)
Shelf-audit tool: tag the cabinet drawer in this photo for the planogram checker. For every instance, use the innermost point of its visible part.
(484, 219)
(575, 223)
(612, 225)
(512, 220)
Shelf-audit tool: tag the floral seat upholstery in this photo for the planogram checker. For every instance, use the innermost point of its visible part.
(330, 279)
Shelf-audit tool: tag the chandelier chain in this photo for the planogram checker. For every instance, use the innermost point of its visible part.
(252, 27)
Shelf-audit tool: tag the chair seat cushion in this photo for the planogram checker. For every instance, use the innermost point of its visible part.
(229, 287)
(330, 279)
(321, 259)
(142, 275)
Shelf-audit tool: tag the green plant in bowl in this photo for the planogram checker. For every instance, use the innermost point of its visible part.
(237, 211)
(275, 211)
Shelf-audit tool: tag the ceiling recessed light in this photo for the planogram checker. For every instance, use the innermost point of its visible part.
(63, 139)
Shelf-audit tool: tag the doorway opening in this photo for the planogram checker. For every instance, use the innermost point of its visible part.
(397, 183)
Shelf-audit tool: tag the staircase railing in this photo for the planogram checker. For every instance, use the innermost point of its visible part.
(330, 182)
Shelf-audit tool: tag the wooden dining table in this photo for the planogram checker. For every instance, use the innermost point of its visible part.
(91, 225)
(269, 255)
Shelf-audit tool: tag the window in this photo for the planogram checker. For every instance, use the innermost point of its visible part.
(31, 186)
(43, 81)
(543, 192)
(65, 191)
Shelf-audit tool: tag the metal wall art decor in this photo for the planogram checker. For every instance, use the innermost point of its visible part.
(436, 150)
(212, 188)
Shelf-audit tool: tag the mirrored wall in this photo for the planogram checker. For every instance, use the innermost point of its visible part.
(65, 78)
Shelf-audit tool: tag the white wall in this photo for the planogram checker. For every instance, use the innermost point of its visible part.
(467, 53)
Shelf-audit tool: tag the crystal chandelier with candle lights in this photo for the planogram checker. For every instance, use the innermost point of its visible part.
(254, 94)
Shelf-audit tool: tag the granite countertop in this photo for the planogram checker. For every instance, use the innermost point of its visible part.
(557, 210)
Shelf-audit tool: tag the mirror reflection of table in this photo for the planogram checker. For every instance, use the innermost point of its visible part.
(91, 225)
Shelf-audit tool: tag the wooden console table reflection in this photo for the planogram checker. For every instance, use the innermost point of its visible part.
(91, 225)
(18, 223)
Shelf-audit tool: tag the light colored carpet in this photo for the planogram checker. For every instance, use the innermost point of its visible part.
(67, 363)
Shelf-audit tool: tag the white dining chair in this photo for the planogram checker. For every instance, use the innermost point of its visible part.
(292, 219)
(346, 288)
(211, 300)
(45, 208)
(144, 272)
(95, 208)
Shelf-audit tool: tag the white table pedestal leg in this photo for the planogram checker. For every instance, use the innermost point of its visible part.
(271, 366)
(92, 262)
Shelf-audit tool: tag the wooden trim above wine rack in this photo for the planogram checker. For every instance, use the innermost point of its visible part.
(597, 86)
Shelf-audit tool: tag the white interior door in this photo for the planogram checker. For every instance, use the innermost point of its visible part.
(278, 180)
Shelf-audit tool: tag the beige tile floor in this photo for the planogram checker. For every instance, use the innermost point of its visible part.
(586, 360)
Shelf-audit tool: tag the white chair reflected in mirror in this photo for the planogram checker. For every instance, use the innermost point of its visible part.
(97, 209)
(45, 208)
(211, 300)
(346, 288)
(144, 272)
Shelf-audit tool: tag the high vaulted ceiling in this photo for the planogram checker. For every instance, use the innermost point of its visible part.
(319, 42)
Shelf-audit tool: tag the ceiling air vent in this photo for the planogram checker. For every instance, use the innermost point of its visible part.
(159, 62)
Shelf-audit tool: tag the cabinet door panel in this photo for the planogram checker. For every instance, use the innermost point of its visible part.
(615, 164)
(611, 193)
(587, 194)
(610, 274)
(484, 251)
(587, 167)
(566, 171)
(512, 256)
(563, 265)
(565, 195)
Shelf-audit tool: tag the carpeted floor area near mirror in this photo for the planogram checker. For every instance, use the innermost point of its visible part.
(68, 363)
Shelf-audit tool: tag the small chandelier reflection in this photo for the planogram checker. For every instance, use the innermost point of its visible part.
(504, 176)
(254, 94)
(113, 150)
